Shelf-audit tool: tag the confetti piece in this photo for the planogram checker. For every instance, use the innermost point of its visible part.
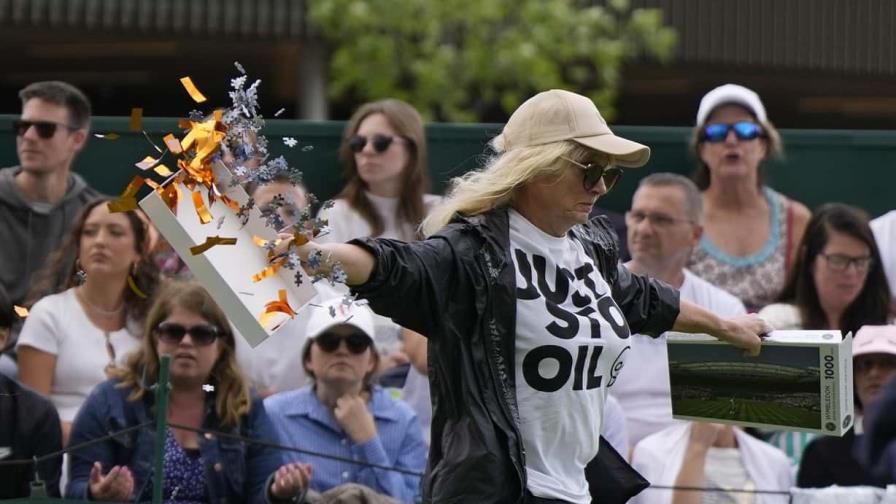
(107, 136)
(163, 170)
(128, 201)
(290, 141)
(280, 305)
(136, 119)
(173, 144)
(246, 293)
(204, 215)
(154, 146)
(277, 113)
(192, 90)
(147, 163)
(210, 242)
(307, 148)
(21, 311)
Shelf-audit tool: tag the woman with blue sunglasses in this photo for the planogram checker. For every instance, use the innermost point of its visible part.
(750, 231)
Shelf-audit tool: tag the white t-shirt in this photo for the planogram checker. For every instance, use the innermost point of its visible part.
(346, 224)
(884, 228)
(643, 389)
(571, 339)
(58, 325)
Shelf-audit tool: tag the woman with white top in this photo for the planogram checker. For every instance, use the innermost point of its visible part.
(73, 337)
(708, 455)
(384, 152)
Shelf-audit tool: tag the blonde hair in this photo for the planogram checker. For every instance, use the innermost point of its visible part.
(495, 185)
(232, 398)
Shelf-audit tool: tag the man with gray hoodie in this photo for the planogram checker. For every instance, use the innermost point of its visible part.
(41, 196)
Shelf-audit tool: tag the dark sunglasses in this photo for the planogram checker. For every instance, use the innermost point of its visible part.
(202, 335)
(45, 129)
(356, 143)
(743, 130)
(355, 342)
(595, 171)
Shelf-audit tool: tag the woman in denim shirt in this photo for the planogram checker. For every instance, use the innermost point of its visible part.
(208, 391)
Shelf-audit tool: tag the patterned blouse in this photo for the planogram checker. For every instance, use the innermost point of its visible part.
(184, 477)
(756, 279)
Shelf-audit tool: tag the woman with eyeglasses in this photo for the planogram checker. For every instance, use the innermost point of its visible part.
(527, 312)
(92, 297)
(384, 153)
(837, 282)
(207, 390)
(343, 414)
(750, 231)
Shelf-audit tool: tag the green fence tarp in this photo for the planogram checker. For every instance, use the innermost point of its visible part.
(850, 166)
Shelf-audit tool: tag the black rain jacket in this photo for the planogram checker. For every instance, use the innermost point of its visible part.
(458, 288)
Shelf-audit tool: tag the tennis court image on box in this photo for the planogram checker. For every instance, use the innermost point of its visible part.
(780, 387)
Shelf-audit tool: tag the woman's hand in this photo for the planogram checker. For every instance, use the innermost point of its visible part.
(352, 414)
(745, 331)
(117, 485)
(356, 262)
(290, 480)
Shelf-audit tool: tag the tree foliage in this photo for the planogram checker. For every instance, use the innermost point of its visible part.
(463, 60)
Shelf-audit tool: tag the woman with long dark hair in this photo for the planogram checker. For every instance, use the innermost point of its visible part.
(837, 282)
(384, 153)
(80, 330)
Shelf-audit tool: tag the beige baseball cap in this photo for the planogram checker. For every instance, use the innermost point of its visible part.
(558, 115)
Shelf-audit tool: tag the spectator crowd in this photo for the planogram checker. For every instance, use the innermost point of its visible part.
(362, 390)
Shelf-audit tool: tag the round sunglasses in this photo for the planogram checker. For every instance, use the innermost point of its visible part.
(356, 342)
(44, 129)
(173, 333)
(356, 143)
(743, 130)
(596, 171)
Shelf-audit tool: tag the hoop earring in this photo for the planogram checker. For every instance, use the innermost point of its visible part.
(80, 274)
(133, 283)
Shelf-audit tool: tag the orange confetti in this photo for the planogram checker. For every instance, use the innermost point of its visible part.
(136, 119)
(265, 273)
(173, 144)
(147, 163)
(204, 215)
(21, 311)
(163, 170)
(210, 242)
(192, 90)
(280, 305)
(128, 200)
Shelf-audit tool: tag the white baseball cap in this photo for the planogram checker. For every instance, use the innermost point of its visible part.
(336, 311)
(731, 93)
(558, 115)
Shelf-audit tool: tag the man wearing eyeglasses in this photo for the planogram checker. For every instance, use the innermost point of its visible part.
(41, 196)
(663, 226)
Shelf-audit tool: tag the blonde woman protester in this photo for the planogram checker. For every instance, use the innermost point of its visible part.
(750, 231)
(527, 311)
(87, 325)
(207, 390)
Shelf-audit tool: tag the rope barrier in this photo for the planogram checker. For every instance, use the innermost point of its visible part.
(268, 444)
(69, 449)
